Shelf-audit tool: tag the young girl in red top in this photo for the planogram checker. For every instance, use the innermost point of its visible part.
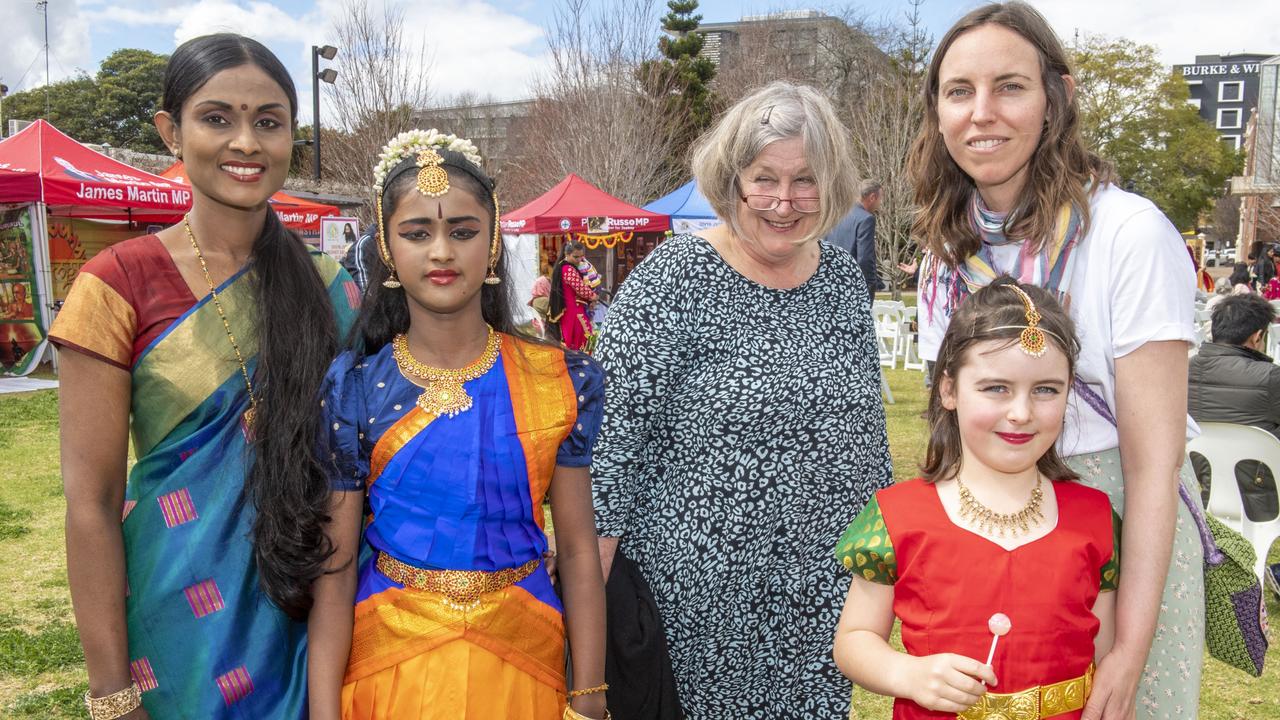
(994, 539)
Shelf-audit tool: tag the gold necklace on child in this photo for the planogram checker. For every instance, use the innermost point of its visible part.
(988, 520)
(442, 391)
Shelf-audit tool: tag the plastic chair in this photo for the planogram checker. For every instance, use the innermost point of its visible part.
(911, 359)
(888, 320)
(1223, 445)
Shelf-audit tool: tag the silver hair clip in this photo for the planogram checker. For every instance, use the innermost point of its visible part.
(768, 112)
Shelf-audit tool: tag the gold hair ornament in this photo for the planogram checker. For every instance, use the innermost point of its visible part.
(1031, 341)
(433, 180)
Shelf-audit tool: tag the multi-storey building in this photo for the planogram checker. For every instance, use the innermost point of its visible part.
(1225, 90)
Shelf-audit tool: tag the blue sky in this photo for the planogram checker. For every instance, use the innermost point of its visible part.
(495, 47)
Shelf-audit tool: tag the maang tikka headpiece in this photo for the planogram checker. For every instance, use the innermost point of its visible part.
(1032, 340)
(433, 182)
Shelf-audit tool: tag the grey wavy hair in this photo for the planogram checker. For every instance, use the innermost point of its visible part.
(777, 111)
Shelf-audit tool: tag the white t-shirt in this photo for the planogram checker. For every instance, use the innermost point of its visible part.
(1132, 284)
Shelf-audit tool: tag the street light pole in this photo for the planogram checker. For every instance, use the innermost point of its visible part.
(328, 52)
(4, 90)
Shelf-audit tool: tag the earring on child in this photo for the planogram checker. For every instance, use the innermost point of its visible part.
(392, 282)
(495, 247)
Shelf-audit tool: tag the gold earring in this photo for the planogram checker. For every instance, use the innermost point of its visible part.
(391, 283)
(177, 152)
(495, 247)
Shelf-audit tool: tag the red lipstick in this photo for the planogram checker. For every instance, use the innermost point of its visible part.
(1016, 438)
(442, 277)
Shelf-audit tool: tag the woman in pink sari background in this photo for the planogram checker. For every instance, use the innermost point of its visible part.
(570, 296)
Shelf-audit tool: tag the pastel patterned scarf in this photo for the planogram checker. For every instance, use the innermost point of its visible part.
(1050, 267)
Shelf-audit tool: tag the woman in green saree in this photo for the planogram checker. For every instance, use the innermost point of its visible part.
(206, 342)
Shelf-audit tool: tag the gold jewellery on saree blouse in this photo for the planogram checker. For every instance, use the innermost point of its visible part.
(442, 391)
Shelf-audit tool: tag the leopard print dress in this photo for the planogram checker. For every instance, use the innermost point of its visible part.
(743, 431)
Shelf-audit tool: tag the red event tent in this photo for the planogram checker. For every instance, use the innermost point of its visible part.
(296, 213)
(42, 165)
(570, 205)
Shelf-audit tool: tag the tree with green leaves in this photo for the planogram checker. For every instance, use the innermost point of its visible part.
(1135, 113)
(680, 81)
(114, 107)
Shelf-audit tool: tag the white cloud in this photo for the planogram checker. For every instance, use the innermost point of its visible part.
(1180, 29)
(472, 46)
(22, 64)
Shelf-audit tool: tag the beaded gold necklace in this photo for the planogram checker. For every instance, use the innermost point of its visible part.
(989, 520)
(213, 294)
(442, 391)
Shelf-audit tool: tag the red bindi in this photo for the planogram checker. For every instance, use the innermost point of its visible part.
(440, 210)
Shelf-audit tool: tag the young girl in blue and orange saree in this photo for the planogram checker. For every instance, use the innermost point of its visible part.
(206, 341)
(457, 428)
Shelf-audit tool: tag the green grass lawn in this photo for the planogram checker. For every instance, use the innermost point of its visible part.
(41, 666)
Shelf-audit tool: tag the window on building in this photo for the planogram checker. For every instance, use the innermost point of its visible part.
(1194, 102)
(1228, 118)
(1231, 141)
(1231, 91)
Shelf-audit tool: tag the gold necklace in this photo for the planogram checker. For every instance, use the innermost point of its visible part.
(989, 520)
(442, 391)
(213, 293)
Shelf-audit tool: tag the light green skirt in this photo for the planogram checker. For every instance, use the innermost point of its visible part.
(1170, 686)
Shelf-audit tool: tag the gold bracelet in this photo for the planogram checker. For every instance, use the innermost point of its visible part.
(571, 714)
(589, 691)
(115, 705)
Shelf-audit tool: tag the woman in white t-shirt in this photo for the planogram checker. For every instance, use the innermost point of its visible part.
(1006, 186)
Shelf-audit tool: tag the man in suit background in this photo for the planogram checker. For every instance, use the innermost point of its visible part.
(856, 234)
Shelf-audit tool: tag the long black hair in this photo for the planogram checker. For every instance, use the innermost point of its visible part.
(286, 484)
(555, 303)
(385, 312)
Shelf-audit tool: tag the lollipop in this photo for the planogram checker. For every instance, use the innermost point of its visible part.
(999, 624)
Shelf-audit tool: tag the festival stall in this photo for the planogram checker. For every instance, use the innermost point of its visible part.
(60, 203)
(302, 216)
(688, 209)
(617, 234)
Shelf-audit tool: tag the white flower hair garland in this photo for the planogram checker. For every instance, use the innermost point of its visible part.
(412, 142)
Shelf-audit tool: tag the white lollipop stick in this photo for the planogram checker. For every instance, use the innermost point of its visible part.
(991, 655)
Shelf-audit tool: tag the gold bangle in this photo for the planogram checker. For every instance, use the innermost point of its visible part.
(589, 691)
(115, 705)
(571, 714)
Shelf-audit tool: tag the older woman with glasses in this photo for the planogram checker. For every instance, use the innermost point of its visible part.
(743, 423)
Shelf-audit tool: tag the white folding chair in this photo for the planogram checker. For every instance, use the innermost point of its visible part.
(911, 359)
(888, 320)
(1223, 445)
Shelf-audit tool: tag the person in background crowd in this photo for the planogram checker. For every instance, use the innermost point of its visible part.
(1233, 381)
(361, 256)
(743, 421)
(1006, 185)
(856, 234)
(1264, 268)
(207, 342)
(1240, 280)
(570, 296)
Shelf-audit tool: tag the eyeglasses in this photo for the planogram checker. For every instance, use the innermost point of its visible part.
(807, 205)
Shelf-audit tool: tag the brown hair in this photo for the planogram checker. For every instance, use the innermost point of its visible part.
(1058, 169)
(995, 312)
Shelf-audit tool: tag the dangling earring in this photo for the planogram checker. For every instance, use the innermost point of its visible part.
(495, 247)
(384, 250)
(177, 152)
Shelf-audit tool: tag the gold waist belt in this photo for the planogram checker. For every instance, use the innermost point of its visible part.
(463, 588)
(1041, 701)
